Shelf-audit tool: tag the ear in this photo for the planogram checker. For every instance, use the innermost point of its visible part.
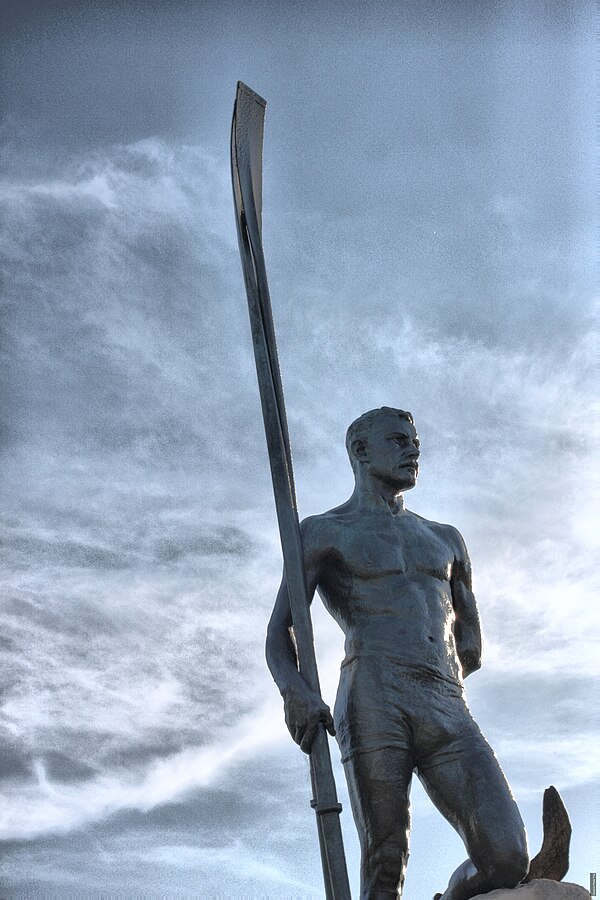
(359, 450)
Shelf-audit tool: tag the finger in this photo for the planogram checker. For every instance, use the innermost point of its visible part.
(299, 735)
(309, 736)
(327, 720)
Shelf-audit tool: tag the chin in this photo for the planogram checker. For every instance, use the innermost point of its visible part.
(409, 483)
(400, 486)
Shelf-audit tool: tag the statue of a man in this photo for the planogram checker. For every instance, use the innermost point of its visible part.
(400, 588)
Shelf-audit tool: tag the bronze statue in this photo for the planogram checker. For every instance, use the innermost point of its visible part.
(399, 586)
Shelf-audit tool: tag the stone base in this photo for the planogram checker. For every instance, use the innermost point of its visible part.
(539, 889)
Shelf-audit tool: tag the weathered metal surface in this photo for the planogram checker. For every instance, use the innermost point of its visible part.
(552, 862)
(246, 168)
(399, 586)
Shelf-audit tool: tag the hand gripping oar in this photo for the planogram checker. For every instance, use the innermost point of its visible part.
(246, 172)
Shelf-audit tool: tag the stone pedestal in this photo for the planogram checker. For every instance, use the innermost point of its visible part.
(539, 889)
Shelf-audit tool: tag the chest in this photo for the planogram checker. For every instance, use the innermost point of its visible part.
(402, 547)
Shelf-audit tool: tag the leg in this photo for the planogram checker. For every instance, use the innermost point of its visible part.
(470, 790)
(379, 787)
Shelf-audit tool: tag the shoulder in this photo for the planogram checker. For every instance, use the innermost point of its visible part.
(321, 533)
(456, 541)
(449, 534)
(454, 536)
(318, 530)
(318, 541)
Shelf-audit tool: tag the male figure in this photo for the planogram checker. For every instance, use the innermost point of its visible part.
(400, 588)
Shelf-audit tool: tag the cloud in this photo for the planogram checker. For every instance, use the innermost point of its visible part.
(140, 525)
(59, 804)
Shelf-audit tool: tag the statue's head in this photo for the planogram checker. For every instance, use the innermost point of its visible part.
(384, 443)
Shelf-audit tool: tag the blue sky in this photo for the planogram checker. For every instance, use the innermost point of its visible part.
(430, 241)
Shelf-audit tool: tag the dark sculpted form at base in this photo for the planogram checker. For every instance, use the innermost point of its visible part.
(400, 588)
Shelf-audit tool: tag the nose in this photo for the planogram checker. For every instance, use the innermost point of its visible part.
(414, 452)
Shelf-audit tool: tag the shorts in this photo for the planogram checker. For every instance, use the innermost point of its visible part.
(383, 703)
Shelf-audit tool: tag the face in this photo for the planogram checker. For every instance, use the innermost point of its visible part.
(392, 452)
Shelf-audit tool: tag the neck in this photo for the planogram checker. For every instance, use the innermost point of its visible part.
(372, 494)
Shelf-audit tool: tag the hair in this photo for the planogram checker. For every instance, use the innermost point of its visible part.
(359, 429)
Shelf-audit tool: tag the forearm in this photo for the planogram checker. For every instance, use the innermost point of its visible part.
(304, 710)
(467, 635)
(282, 660)
(470, 659)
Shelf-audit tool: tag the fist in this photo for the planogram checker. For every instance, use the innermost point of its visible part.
(304, 711)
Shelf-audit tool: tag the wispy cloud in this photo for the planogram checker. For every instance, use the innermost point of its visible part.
(139, 523)
(48, 806)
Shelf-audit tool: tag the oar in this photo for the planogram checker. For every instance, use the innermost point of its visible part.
(246, 172)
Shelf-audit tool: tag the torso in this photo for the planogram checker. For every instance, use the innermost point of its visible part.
(386, 580)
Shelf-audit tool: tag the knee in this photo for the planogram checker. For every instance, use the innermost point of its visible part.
(392, 854)
(508, 868)
(384, 864)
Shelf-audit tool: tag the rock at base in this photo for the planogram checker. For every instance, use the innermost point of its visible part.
(539, 889)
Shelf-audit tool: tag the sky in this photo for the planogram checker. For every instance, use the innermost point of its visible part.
(430, 241)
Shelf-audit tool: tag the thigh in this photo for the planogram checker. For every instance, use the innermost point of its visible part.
(470, 790)
(379, 788)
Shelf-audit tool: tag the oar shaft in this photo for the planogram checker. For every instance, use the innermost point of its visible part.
(246, 160)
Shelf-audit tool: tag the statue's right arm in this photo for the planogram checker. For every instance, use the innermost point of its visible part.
(304, 709)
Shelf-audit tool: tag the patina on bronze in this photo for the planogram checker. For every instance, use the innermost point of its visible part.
(400, 588)
(552, 862)
(246, 170)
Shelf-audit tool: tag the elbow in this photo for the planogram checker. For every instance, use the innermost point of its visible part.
(271, 655)
(470, 662)
(270, 641)
(275, 630)
(475, 666)
(276, 640)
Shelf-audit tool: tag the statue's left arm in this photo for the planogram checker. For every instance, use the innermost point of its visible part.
(467, 628)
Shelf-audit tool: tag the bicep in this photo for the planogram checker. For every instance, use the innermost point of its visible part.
(313, 554)
(467, 628)
(461, 579)
(465, 605)
(461, 566)
(282, 615)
